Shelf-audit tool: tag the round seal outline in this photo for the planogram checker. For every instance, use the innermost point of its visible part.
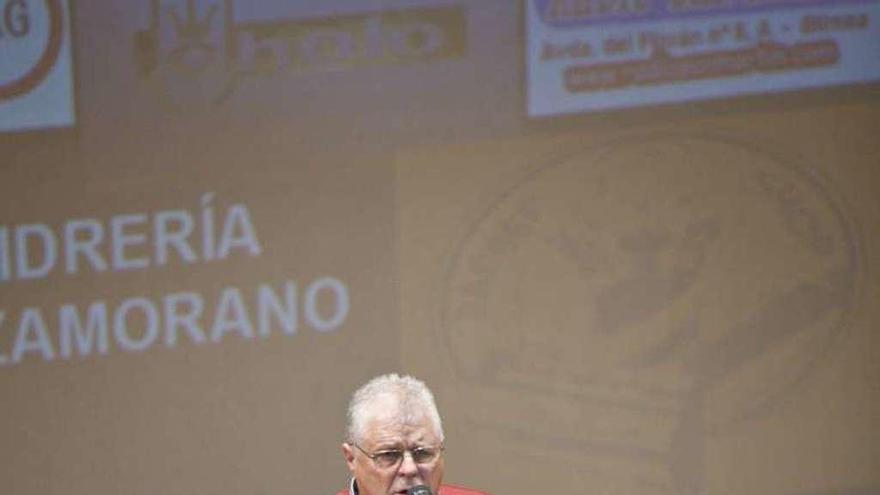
(41, 69)
(795, 165)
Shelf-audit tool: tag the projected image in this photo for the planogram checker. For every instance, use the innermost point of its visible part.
(584, 55)
(36, 86)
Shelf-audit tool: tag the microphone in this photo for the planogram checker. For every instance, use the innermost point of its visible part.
(419, 490)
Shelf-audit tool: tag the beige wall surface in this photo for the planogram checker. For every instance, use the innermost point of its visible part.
(195, 277)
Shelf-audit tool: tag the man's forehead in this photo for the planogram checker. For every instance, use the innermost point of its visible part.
(387, 415)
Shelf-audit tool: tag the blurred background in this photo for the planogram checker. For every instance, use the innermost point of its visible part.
(630, 245)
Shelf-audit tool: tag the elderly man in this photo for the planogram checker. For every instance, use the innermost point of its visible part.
(395, 439)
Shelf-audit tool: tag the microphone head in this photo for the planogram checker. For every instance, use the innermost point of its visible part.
(419, 490)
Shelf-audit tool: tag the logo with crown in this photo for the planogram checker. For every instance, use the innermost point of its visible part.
(184, 48)
(194, 49)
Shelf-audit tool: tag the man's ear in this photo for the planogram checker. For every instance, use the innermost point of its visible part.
(348, 453)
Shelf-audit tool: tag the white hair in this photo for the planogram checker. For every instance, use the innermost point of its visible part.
(411, 396)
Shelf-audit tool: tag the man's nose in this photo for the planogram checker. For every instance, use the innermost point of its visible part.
(408, 466)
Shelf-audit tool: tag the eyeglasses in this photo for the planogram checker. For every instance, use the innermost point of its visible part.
(386, 459)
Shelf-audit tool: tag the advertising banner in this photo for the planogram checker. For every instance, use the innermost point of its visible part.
(210, 51)
(585, 55)
(36, 82)
(265, 203)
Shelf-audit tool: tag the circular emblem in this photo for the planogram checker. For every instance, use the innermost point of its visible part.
(697, 279)
(25, 64)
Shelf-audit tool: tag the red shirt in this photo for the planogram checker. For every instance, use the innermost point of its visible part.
(444, 490)
(457, 490)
